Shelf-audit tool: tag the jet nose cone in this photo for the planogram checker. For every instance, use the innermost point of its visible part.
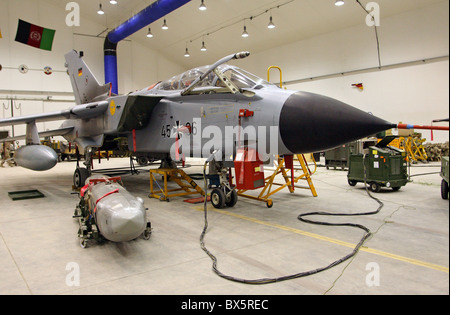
(311, 123)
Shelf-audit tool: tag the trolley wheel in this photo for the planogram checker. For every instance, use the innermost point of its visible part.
(444, 190)
(146, 234)
(142, 160)
(218, 198)
(232, 200)
(375, 187)
(79, 176)
(352, 182)
(83, 243)
(269, 203)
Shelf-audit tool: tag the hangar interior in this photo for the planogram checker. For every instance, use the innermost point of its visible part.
(397, 71)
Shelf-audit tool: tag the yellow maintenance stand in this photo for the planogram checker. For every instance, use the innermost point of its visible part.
(289, 181)
(186, 183)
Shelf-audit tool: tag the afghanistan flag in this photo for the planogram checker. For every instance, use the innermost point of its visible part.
(34, 35)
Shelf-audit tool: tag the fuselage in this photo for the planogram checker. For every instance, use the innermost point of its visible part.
(163, 119)
(204, 110)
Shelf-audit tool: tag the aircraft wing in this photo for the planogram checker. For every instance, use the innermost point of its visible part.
(36, 118)
(48, 133)
(85, 111)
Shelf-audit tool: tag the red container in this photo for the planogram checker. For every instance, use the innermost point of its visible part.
(249, 169)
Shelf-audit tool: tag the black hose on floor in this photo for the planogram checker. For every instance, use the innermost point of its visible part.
(301, 217)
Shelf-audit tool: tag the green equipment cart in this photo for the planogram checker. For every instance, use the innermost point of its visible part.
(339, 157)
(444, 175)
(385, 166)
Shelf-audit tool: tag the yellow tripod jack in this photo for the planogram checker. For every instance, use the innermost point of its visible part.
(290, 181)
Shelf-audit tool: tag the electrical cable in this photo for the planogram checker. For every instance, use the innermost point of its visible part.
(367, 234)
(376, 34)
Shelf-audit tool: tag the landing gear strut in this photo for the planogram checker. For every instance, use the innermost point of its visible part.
(82, 173)
(223, 193)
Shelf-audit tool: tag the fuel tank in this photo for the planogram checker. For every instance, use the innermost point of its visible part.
(119, 216)
(36, 157)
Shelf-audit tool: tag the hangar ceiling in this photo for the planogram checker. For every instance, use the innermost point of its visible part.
(224, 21)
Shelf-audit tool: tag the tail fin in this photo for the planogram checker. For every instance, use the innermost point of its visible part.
(85, 86)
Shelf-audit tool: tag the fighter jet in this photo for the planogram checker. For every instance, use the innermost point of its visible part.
(184, 114)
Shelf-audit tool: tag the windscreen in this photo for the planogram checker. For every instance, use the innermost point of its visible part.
(241, 78)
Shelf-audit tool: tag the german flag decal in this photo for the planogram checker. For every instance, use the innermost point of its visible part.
(80, 72)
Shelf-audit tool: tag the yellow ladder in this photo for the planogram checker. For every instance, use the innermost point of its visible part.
(177, 176)
(267, 191)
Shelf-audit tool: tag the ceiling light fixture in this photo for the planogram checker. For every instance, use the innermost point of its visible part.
(271, 25)
(245, 34)
(203, 6)
(149, 34)
(100, 10)
(203, 47)
(187, 54)
(339, 3)
(165, 27)
(113, 1)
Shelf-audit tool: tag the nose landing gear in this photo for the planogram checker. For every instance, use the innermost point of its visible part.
(223, 194)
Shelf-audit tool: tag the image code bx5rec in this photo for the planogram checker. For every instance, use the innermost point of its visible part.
(238, 304)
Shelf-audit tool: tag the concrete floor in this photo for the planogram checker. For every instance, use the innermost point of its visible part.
(408, 252)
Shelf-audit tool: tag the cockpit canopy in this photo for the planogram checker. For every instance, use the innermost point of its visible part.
(239, 77)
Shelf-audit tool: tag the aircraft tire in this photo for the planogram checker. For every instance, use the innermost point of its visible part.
(232, 200)
(218, 198)
(79, 177)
